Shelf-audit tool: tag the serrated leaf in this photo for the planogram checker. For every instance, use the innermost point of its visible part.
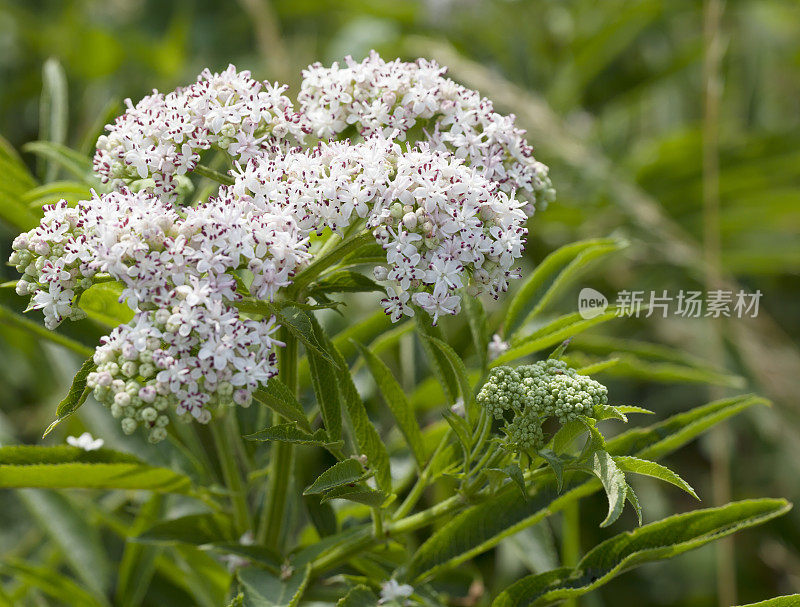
(360, 596)
(437, 359)
(344, 281)
(554, 272)
(368, 441)
(552, 333)
(78, 392)
(298, 322)
(555, 463)
(602, 465)
(457, 367)
(630, 495)
(280, 399)
(398, 404)
(664, 539)
(566, 434)
(602, 412)
(462, 433)
(790, 600)
(290, 433)
(483, 526)
(513, 472)
(69, 529)
(263, 589)
(628, 463)
(71, 467)
(359, 493)
(346, 472)
(323, 378)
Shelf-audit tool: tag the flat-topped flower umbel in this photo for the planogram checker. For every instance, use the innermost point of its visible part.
(443, 183)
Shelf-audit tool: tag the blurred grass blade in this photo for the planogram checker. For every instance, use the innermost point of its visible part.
(552, 275)
(11, 318)
(138, 562)
(59, 155)
(50, 582)
(53, 114)
(76, 537)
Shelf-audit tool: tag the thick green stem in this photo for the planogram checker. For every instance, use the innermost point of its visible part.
(571, 540)
(272, 523)
(231, 473)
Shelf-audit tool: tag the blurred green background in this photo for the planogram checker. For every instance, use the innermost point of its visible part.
(618, 97)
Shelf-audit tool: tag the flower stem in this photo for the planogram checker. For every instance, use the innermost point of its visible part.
(231, 473)
(213, 175)
(282, 456)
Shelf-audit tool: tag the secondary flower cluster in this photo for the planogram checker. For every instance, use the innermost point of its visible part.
(162, 136)
(533, 393)
(379, 97)
(444, 210)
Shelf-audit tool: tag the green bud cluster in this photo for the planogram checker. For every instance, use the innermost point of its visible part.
(534, 393)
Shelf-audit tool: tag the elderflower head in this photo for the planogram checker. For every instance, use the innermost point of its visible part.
(380, 97)
(449, 212)
(161, 137)
(532, 393)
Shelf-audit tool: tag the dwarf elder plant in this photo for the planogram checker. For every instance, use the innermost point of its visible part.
(234, 225)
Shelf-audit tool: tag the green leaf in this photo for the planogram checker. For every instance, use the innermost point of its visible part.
(513, 472)
(323, 378)
(298, 322)
(462, 432)
(657, 541)
(398, 404)
(602, 412)
(479, 328)
(439, 363)
(552, 333)
(329, 259)
(341, 473)
(51, 583)
(457, 367)
(481, 527)
(602, 465)
(261, 555)
(322, 516)
(290, 433)
(343, 281)
(193, 529)
(552, 275)
(657, 440)
(360, 494)
(73, 162)
(790, 600)
(628, 463)
(368, 441)
(566, 434)
(16, 181)
(556, 464)
(263, 589)
(280, 399)
(630, 495)
(360, 596)
(71, 467)
(53, 113)
(76, 537)
(101, 302)
(78, 392)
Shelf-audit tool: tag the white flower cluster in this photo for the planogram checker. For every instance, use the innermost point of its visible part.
(444, 210)
(161, 137)
(381, 97)
(187, 345)
(443, 225)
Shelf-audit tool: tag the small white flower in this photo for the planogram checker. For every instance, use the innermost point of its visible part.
(497, 346)
(394, 591)
(458, 407)
(86, 442)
